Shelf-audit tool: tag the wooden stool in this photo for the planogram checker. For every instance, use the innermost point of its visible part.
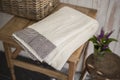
(18, 23)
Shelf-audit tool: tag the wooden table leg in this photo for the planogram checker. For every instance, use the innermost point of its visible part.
(8, 54)
(71, 71)
(83, 70)
(84, 56)
(83, 74)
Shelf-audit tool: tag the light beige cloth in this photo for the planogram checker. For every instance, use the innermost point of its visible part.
(67, 29)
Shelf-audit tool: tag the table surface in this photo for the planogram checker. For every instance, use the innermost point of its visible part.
(18, 23)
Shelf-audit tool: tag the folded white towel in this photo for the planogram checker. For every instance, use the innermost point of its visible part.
(67, 29)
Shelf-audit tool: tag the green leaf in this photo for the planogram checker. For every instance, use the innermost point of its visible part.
(103, 40)
(110, 40)
(94, 40)
(108, 50)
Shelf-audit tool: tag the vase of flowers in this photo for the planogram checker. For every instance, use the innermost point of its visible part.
(103, 63)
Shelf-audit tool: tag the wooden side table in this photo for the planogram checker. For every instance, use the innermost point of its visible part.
(18, 23)
(103, 67)
(106, 67)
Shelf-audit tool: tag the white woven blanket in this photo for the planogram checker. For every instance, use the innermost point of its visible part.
(56, 37)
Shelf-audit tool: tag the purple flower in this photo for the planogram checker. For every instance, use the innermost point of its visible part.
(108, 35)
(101, 34)
(105, 47)
(102, 41)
